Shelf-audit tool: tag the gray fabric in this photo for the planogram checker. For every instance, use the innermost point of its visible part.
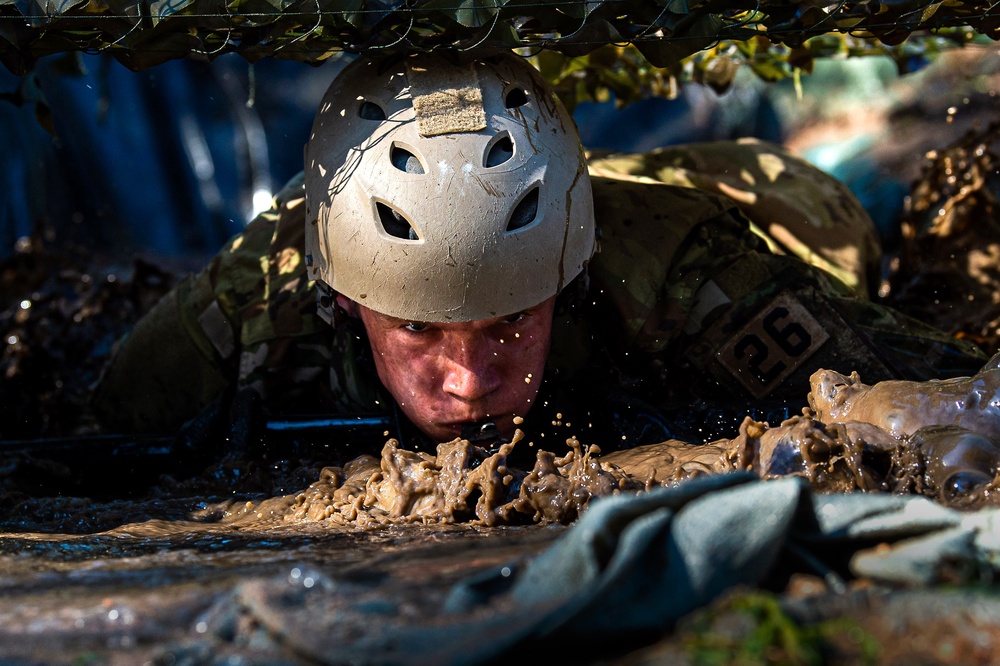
(631, 565)
(636, 563)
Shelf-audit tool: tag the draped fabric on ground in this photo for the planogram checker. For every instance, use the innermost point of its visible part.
(632, 566)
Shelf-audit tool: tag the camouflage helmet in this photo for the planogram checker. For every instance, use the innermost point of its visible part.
(441, 189)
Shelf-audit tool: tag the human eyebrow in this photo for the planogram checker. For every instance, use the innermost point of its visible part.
(515, 317)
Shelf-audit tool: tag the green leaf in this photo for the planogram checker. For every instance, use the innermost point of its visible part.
(689, 38)
(467, 13)
(160, 9)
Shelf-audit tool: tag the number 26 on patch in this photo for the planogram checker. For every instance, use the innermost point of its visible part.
(772, 345)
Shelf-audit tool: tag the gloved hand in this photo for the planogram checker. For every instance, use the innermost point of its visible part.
(637, 421)
(247, 425)
(233, 426)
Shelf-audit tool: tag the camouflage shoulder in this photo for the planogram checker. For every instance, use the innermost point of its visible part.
(295, 188)
(286, 307)
(792, 205)
(647, 266)
(258, 277)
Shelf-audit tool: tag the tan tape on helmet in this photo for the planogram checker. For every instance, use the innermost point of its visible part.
(451, 226)
(447, 100)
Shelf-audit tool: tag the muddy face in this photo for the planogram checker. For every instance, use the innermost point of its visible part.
(444, 375)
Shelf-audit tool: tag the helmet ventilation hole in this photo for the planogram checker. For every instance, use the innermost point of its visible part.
(406, 161)
(395, 224)
(499, 152)
(515, 97)
(371, 111)
(525, 211)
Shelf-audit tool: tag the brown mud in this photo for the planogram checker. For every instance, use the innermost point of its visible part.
(280, 579)
(948, 269)
(935, 438)
(932, 438)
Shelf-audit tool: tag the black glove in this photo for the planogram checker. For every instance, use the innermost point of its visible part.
(230, 426)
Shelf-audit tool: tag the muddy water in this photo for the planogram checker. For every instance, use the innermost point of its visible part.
(214, 570)
(187, 592)
(935, 438)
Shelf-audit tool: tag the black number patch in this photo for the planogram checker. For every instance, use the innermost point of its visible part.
(772, 345)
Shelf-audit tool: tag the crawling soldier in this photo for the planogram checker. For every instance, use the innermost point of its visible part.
(449, 258)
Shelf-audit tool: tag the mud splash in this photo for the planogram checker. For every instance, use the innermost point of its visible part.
(464, 483)
(936, 439)
(281, 579)
(461, 483)
(902, 408)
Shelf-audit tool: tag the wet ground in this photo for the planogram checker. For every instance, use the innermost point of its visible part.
(319, 572)
(183, 592)
(252, 563)
(174, 592)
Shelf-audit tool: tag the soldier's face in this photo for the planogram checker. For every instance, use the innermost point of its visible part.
(446, 374)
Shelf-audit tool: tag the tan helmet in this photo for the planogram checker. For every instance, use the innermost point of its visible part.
(445, 190)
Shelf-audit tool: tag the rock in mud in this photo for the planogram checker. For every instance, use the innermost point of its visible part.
(959, 465)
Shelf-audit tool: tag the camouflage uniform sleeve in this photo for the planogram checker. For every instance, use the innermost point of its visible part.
(296, 361)
(247, 321)
(188, 350)
(701, 305)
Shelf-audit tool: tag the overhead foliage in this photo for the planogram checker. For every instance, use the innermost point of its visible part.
(623, 74)
(626, 46)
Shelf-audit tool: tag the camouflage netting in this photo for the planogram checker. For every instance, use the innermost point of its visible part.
(143, 34)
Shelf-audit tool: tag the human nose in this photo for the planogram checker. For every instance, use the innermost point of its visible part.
(469, 370)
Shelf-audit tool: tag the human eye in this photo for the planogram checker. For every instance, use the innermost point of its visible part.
(414, 326)
(515, 318)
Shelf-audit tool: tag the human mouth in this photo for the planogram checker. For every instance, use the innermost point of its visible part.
(480, 431)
